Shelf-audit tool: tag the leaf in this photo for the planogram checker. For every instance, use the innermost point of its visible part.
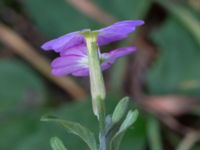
(129, 120)
(16, 127)
(120, 110)
(154, 136)
(85, 134)
(57, 144)
(177, 68)
(39, 137)
(185, 16)
(20, 86)
(57, 17)
(117, 138)
(132, 9)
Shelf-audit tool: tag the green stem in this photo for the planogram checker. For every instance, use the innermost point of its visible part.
(96, 83)
(154, 134)
(102, 134)
(96, 77)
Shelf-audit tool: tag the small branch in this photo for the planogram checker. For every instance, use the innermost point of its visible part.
(91, 10)
(190, 139)
(19, 46)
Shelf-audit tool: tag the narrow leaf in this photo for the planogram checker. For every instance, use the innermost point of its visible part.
(85, 134)
(154, 136)
(117, 138)
(57, 144)
(129, 120)
(120, 110)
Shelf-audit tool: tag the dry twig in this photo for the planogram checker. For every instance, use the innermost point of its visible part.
(190, 139)
(91, 10)
(23, 49)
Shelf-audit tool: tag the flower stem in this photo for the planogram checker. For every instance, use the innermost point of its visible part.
(102, 134)
(96, 83)
(96, 77)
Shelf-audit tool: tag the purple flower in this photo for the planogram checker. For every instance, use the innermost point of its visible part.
(73, 52)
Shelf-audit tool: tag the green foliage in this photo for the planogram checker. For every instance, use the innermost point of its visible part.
(27, 132)
(177, 68)
(129, 9)
(132, 9)
(57, 144)
(63, 17)
(128, 121)
(188, 19)
(135, 136)
(120, 110)
(85, 134)
(22, 91)
(15, 127)
(154, 135)
(20, 86)
(57, 17)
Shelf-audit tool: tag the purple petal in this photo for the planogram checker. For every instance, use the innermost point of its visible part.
(82, 72)
(85, 71)
(120, 52)
(66, 70)
(75, 50)
(64, 42)
(117, 53)
(106, 35)
(109, 59)
(117, 31)
(66, 60)
(105, 66)
(68, 64)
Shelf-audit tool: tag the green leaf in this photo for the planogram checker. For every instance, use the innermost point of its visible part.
(85, 134)
(154, 134)
(57, 144)
(57, 17)
(132, 9)
(177, 68)
(16, 127)
(117, 138)
(129, 120)
(129, 9)
(185, 16)
(20, 86)
(81, 112)
(120, 110)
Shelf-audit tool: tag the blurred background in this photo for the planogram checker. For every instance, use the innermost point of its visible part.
(162, 77)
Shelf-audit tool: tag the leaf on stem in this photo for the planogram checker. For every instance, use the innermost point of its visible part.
(120, 110)
(117, 138)
(57, 144)
(85, 134)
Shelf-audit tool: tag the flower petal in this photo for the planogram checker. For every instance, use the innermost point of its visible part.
(105, 66)
(68, 64)
(85, 71)
(75, 50)
(81, 73)
(106, 35)
(66, 60)
(120, 52)
(66, 70)
(111, 57)
(64, 42)
(117, 31)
